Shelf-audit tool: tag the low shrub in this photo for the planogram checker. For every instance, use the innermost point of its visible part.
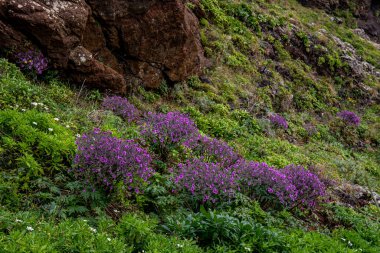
(211, 150)
(308, 186)
(349, 118)
(121, 107)
(265, 183)
(104, 161)
(167, 131)
(278, 121)
(206, 181)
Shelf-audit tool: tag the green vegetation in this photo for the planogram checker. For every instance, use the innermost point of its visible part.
(256, 72)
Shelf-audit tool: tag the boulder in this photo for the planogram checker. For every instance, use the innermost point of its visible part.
(107, 44)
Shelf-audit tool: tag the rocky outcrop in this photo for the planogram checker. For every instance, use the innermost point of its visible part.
(107, 44)
(366, 12)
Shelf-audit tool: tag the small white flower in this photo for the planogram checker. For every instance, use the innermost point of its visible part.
(67, 126)
(29, 228)
(108, 239)
(18, 221)
(343, 239)
(50, 129)
(23, 110)
(56, 119)
(93, 230)
(34, 103)
(78, 135)
(349, 244)
(116, 211)
(180, 245)
(34, 123)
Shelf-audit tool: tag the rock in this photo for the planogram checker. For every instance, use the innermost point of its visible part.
(355, 195)
(120, 40)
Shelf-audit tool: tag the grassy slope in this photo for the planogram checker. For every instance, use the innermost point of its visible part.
(233, 108)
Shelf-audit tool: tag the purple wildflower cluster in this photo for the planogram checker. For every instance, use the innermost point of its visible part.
(211, 150)
(121, 107)
(278, 121)
(104, 160)
(32, 60)
(168, 129)
(207, 181)
(258, 180)
(349, 118)
(215, 172)
(292, 186)
(307, 184)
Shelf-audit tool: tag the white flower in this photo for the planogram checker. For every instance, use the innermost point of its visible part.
(343, 239)
(50, 129)
(349, 244)
(34, 103)
(116, 211)
(93, 229)
(23, 110)
(108, 239)
(56, 119)
(67, 126)
(34, 123)
(78, 135)
(18, 221)
(29, 228)
(180, 245)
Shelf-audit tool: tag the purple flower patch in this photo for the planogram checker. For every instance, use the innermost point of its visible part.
(349, 117)
(278, 121)
(32, 60)
(104, 161)
(121, 107)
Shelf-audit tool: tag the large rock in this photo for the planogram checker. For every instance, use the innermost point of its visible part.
(107, 44)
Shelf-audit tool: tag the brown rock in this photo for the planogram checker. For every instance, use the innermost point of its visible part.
(119, 39)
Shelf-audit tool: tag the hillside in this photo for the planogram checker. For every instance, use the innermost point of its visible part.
(253, 128)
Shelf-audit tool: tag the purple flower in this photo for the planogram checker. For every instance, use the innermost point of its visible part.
(166, 131)
(104, 161)
(349, 117)
(206, 181)
(278, 121)
(211, 150)
(308, 185)
(121, 107)
(258, 180)
(32, 60)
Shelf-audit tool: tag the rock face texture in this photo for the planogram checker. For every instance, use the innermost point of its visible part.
(367, 12)
(107, 44)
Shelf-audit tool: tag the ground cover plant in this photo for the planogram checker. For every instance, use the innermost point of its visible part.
(274, 149)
